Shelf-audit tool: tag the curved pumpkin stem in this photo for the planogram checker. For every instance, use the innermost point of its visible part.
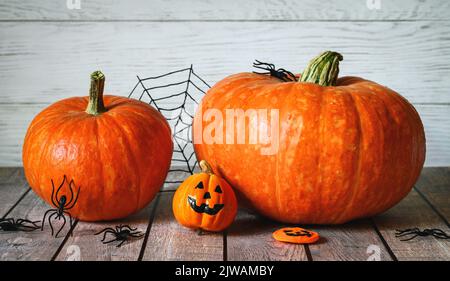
(95, 105)
(206, 168)
(323, 70)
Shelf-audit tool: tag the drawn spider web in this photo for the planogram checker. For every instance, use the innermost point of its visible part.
(175, 95)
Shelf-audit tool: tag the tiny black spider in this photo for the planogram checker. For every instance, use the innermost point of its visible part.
(62, 205)
(120, 233)
(438, 233)
(10, 224)
(280, 73)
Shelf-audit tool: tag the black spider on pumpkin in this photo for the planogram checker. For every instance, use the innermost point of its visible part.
(62, 205)
(121, 233)
(11, 224)
(279, 73)
(414, 232)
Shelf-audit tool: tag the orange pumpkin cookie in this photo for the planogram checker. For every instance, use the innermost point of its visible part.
(296, 235)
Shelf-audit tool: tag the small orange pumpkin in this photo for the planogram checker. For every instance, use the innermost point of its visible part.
(115, 149)
(205, 201)
(295, 235)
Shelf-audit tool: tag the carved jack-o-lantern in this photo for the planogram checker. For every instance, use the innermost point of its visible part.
(205, 201)
(296, 235)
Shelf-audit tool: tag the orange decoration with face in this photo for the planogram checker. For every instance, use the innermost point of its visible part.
(296, 235)
(205, 201)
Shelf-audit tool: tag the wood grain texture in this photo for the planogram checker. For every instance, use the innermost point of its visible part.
(12, 131)
(225, 10)
(413, 212)
(88, 247)
(12, 187)
(168, 240)
(250, 239)
(354, 241)
(36, 245)
(46, 61)
(434, 184)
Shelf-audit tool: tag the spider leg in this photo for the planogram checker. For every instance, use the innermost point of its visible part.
(23, 227)
(440, 234)
(61, 228)
(136, 234)
(129, 227)
(261, 73)
(10, 220)
(53, 193)
(257, 62)
(50, 221)
(120, 244)
(70, 217)
(115, 239)
(261, 67)
(408, 231)
(71, 192)
(74, 202)
(405, 234)
(108, 228)
(410, 238)
(106, 232)
(43, 220)
(59, 189)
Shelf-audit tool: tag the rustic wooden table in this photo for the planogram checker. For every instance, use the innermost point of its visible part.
(249, 238)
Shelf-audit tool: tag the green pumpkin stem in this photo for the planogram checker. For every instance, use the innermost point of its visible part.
(95, 105)
(323, 70)
(206, 168)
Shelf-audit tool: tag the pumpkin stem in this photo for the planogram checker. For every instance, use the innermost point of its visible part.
(206, 168)
(323, 69)
(95, 105)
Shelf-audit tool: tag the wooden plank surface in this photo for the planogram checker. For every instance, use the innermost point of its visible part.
(13, 187)
(413, 212)
(168, 240)
(354, 241)
(85, 246)
(435, 119)
(42, 62)
(250, 239)
(434, 185)
(226, 10)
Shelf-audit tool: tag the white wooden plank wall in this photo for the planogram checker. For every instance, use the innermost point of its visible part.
(47, 51)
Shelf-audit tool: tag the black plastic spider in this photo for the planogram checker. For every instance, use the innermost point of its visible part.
(438, 233)
(10, 224)
(279, 73)
(62, 205)
(121, 233)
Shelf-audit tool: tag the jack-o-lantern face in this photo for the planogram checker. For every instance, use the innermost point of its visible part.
(205, 201)
(205, 207)
(296, 235)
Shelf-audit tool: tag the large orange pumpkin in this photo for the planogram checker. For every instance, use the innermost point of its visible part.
(347, 148)
(116, 150)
